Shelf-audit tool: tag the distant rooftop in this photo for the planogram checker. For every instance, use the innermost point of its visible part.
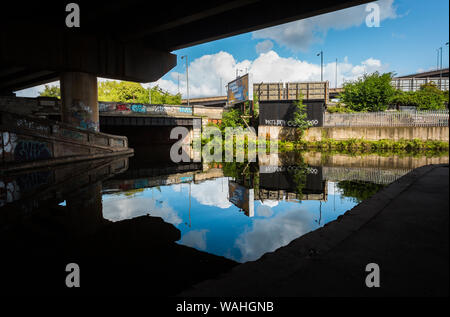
(428, 74)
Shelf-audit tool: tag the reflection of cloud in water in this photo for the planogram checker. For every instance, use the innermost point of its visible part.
(195, 239)
(212, 193)
(267, 235)
(124, 208)
(264, 211)
(270, 203)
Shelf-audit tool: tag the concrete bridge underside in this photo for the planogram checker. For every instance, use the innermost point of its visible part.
(38, 47)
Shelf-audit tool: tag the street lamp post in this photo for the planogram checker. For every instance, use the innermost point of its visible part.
(321, 65)
(187, 78)
(335, 82)
(440, 75)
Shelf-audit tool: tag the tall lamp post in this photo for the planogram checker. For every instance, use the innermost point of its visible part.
(440, 75)
(321, 65)
(187, 78)
(335, 82)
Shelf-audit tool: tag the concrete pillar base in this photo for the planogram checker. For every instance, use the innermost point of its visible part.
(79, 100)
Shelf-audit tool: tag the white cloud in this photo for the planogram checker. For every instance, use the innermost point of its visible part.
(212, 193)
(299, 35)
(264, 211)
(195, 239)
(206, 71)
(116, 209)
(264, 46)
(267, 235)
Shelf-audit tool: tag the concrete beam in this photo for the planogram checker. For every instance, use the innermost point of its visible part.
(64, 51)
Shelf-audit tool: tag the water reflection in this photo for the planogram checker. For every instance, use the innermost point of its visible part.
(96, 212)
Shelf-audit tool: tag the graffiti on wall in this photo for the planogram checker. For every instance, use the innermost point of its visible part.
(112, 107)
(28, 150)
(9, 141)
(81, 115)
(24, 123)
(123, 107)
(9, 192)
(138, 108)
(105, 107)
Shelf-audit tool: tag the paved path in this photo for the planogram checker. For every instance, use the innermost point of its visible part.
(404, 229)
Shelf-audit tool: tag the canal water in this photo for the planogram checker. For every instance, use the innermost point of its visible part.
(213, 215)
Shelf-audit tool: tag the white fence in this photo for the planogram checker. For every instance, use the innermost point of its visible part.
(429, 118)
(414, 84)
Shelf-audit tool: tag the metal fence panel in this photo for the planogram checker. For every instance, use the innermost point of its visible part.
(428, 118)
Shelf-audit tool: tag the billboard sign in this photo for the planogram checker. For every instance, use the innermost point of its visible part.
(242, 197)
(238, 90)
(281, 113)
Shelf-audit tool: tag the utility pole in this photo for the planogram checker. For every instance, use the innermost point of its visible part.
(220, 86)
(187, 77)
(440, 75)
(437, 60)
(335, 82)
(149, 94)
(321, 65)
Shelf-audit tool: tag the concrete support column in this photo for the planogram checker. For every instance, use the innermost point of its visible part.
(79, 106)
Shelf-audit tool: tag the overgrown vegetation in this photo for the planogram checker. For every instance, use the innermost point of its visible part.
(51, 91)
(372, 92)
(124, 91)
(428, 97)
(359, 190)
(300, 117)
(365, 145)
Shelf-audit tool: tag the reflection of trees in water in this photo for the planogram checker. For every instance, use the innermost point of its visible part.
(359, 190)
(299, 175)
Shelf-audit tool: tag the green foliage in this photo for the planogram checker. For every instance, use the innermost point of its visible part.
(124, 91)
(255, 106)
(338, 108)
(51, 91)
(372, 92)
(428, 97)
(300, 116)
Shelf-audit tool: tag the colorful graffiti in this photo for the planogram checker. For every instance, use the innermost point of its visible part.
(122, 107)
(27, 150)
(106, 107)
(143, 108)
(138, 108)
(81, 115)
(71, 134)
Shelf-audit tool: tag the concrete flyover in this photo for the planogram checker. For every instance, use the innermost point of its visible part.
(38, 46)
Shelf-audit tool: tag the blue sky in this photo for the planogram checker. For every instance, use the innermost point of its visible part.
(215, 225)
(410, 32)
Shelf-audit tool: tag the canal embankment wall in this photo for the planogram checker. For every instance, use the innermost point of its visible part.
(366, 133)
(28, 142)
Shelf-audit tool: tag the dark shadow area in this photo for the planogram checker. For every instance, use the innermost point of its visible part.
(62, 223)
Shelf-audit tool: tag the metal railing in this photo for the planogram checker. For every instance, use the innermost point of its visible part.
(428, 118)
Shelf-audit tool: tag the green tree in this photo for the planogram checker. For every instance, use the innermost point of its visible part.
(428, 97)
(300, 117)
(51, 91)
(372, 92)
(124, 91)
